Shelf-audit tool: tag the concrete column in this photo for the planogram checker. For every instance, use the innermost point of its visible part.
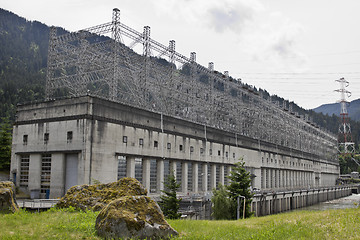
(146, 173)
(204, 177)
(159, 175)
(212, 177)
(57, 180)
(173, 168)
(184, 177)
(229, 171)
(195, 175)
(34, 172)
(130, 166)
(222, 176)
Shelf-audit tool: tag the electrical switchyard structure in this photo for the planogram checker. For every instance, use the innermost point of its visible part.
(97, 61)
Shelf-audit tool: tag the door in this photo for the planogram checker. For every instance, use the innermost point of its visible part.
(71, 173)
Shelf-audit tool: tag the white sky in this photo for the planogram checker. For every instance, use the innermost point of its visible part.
(295, 49)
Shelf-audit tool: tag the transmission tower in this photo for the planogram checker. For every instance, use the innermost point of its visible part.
(346, 145)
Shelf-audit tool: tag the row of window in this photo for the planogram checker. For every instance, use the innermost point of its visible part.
(286, 162)
(69, 137)
(181, 148)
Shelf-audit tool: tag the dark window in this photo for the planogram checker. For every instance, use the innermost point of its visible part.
(46, 138)
(25, 139)
(233, 155)
(125, 139)
(226, 154)
(141, 141)
(191, 149)
(156, 144)
(180, 147)
(201, 150)
(168, 145)
(69, 136)
(210, 151)
(219, 153)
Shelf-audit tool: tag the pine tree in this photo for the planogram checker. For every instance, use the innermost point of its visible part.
(169, 202)
(240, 186)
(5, 145)
(221, 204)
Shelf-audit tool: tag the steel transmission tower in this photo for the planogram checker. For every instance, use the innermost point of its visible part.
(98, 61)
(346, 145)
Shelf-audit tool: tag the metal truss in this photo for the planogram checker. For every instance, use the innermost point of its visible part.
(96, 61)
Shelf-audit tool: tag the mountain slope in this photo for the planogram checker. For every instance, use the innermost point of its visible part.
(334, 108)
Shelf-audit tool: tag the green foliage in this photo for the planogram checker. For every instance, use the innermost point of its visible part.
(221, 204)
(169, 202)
(240, 182)
(5, 144)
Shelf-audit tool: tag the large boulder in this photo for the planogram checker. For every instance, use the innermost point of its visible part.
(137, 217)
(7, 197)
(95, 197)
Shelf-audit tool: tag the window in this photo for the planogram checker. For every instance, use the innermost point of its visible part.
(156, 144)
(180, 147)
(219, 153)
(69, 136)
(233, 155)
(46, 138)
(24, 170)
(226, 154)
(168, 145)
(210, 151)
(45, 172)
(25, 139)
(201, 150)
(191, 149)
(125, 139)
(141, 142)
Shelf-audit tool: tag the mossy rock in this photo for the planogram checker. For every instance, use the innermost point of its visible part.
(95, 197)
(137, 217)
(8, 202)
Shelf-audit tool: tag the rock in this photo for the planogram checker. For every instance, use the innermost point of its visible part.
(7, 197)
(95, 197)
(137, 217)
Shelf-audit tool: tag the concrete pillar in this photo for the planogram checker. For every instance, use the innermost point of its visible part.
(229, 171)
(57, 180)
(34, 172)
(222, 175)
(213, 177)
(195, 175)
(204, 177)
(146, 173)
(173, 168)
(159, 175)
(184, 178)
(130, 166)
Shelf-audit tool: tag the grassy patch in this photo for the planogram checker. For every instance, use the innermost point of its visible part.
(331, 224)
(70, 224)
(53, 224)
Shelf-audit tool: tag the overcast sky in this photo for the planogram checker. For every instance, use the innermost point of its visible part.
(295, 49)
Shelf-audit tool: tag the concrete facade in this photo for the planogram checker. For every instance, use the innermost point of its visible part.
(58, 144)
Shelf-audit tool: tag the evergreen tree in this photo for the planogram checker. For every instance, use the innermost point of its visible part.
(221, 204)
(240, 186)
(169, 202)
(5, 144)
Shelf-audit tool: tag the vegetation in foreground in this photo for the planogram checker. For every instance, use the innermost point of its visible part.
(70, 224)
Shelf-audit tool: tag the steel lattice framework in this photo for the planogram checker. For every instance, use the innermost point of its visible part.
(96, 61)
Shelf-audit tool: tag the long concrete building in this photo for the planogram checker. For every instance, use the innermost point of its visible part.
(61, 143)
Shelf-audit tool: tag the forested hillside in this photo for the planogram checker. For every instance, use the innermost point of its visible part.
(334, 108)
(23, 60)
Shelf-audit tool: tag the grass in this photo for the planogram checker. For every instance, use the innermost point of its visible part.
(70, 224)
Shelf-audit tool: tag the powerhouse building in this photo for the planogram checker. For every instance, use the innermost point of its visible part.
(61, 143)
